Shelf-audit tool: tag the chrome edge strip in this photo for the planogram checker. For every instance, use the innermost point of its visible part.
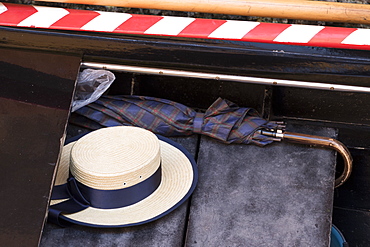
(244, 79)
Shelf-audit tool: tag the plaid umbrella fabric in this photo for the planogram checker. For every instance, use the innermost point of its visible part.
(223, 120)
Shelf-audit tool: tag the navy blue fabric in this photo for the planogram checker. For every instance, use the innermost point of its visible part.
(60, 192)
(198, 121)
(80, 196)
(75, 193)
(69, 206)
(223, 120)
(109, 199)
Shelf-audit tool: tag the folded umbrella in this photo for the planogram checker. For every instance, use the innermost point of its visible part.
(223, 120)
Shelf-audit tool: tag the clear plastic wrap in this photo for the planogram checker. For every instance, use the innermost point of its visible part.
(91, 84)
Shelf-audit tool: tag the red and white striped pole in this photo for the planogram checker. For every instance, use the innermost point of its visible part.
(123, 23)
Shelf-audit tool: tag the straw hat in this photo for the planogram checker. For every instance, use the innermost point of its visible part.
(125, 176)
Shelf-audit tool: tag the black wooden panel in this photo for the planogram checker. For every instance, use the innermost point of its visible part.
(35, 94)
(355, 193)
(354, 225)
(357, 136)
(122, 85)
(191, 92)
(321, 105)
(200, 93)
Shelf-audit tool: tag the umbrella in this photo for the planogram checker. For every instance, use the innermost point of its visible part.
(223, 120)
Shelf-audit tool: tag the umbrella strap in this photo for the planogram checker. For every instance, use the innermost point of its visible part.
(197, 123)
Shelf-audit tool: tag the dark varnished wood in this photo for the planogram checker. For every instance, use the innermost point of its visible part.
(242, 58)
(35, 95)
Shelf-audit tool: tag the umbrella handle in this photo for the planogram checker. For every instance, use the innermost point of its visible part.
(325, 142)
(319, 141)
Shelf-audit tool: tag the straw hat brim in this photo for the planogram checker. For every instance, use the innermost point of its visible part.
(179, 178)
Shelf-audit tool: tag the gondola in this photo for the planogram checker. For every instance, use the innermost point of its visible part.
(313, 80)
